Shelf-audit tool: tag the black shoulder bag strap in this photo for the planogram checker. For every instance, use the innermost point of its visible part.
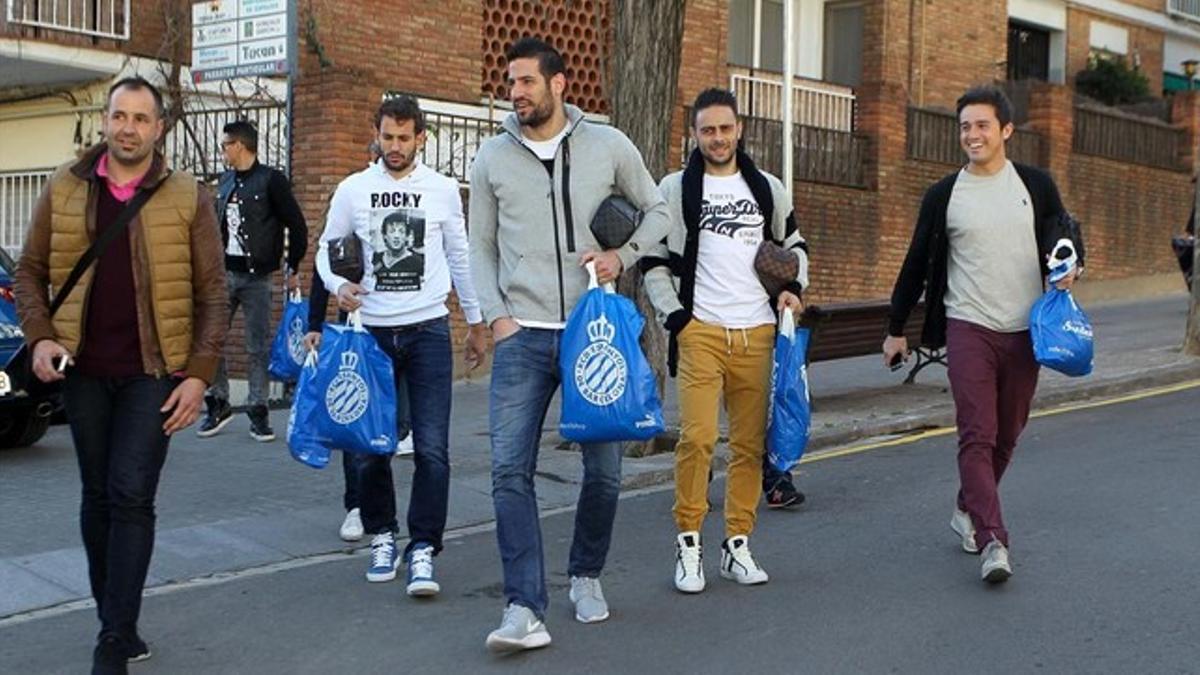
(114, 229)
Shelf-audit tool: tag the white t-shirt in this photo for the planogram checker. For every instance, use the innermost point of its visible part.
(728, 292)
(993, 276)
(414, 243)
(545, 150)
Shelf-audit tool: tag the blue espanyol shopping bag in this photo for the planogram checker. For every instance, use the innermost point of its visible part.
(355, 390)
(790, 414)
(608, 387)
(304, 444)
(1060, 330)
(287, 350)
(1061, 333)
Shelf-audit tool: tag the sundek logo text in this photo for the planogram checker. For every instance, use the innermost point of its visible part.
(347, 397)
(600, 370)
(1080, 329)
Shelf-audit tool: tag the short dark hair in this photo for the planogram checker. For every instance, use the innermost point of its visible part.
(135, 83)
(398, 219)
(713, 96)
(987, 94)
(550, 61)
(244, 132)
(401, 108)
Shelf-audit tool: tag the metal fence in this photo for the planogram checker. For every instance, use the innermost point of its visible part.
(1189, 9)
(18, 192)
(452, 141)
(815, 105)
(820, 155)
(933, 137)
(97, 18)
(194, 142)
(1136, 141)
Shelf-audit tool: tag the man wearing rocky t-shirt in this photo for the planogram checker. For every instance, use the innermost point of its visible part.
(404, 307)
(722, 325)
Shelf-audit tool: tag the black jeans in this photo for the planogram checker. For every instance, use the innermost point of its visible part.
(117, 429)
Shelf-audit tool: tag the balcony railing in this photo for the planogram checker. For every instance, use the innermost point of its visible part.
(452, 141)
(194, 143)
(1142, 141)
(814, 104)
(18, 192)
(1187, 9)
(933, 137)
(97, 18)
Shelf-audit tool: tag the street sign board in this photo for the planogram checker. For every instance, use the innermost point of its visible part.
(240, 38)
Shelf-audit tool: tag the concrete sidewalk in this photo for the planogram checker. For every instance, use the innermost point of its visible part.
(230, 504)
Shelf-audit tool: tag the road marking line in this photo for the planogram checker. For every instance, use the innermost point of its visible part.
(1057, 410)
(219, 578)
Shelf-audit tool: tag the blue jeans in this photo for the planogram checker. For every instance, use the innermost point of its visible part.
(117, 430)
(422, 360)
(524, 378)
(252, 292)
(350, 460)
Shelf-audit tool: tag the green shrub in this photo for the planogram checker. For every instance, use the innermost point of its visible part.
(1111, 81)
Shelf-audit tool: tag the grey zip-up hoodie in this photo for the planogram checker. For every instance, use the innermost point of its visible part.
(528, 229)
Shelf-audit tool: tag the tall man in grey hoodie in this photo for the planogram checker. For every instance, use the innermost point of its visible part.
(534, 190)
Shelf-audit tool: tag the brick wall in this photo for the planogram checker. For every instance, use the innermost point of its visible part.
(1146, 43)
(950, 51)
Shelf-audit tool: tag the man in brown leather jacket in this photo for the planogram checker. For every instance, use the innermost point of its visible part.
(136, 341)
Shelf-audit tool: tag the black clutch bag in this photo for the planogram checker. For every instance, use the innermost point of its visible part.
(614, 222)
(346, 257)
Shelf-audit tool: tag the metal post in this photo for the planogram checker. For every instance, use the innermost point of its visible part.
(788, 77)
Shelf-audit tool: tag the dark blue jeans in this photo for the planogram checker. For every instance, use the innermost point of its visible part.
(119, 442)
(350, 459)
(251, 292)
(524, 378)
(422, 359)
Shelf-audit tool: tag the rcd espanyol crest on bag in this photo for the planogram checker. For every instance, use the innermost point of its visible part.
(295, 340)
(600, 370)
(347, 396)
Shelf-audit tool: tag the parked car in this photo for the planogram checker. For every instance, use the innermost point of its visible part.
(24, 416)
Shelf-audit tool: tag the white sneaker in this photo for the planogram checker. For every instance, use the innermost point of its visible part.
(737, 563)
(995, 567)
(962, 525)
(689, 566)
(352, 527)
(405, 446)
(519, 630)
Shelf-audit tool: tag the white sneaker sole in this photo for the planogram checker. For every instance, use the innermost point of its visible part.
(350, 536)
(968, 538)
(262, 438)
(689, 588)
(997, 575)
(424, 589)
(744, 581)
(145, 656)
(215, 430)
(378, 577)
(502, 645)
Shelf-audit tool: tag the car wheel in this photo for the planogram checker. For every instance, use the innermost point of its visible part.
(23, 430)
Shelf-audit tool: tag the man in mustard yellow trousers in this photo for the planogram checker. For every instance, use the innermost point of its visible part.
(703, 284)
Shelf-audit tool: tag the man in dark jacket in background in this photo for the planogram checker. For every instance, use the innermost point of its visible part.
(254, 205)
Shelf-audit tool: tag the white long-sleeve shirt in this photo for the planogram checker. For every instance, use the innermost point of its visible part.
(414, 242)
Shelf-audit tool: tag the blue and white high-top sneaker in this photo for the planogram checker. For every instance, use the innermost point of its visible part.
(384, 558)
(420, 572)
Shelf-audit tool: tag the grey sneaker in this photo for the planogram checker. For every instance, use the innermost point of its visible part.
(519, 630)
(588, 597)
(995, 568)
(963, 527)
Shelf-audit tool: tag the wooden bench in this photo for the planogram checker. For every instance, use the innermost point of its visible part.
(847, 329)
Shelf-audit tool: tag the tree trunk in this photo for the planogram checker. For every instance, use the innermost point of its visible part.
(642, 82)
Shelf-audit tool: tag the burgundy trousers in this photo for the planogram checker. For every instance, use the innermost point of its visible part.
(993, 377)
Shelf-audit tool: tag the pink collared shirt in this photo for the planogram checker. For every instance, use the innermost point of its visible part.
(121, 193)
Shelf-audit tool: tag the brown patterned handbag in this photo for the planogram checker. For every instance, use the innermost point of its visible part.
(776, 267)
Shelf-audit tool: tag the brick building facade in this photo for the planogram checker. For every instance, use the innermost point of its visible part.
(913, 54)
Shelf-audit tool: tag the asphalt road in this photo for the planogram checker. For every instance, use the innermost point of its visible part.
(867, 577)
